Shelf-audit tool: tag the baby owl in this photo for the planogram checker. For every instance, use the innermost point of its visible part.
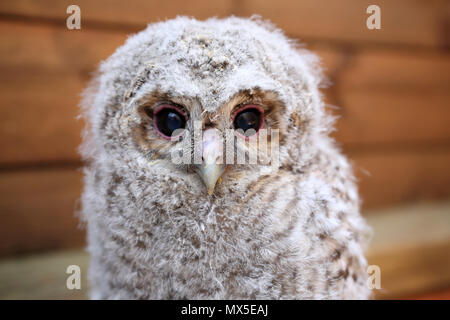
(217, 228)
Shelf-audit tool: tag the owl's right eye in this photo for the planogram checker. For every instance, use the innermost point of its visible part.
(167, 119)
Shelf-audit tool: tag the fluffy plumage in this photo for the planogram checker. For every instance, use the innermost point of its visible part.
(291, 232)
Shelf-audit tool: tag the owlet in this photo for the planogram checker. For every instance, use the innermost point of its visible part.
(210, 173)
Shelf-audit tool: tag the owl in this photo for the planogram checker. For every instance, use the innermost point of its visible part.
(210, 226)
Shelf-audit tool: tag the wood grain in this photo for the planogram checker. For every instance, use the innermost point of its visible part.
(44, 70)
(417, 23)
(391, 177)
(38, 210)
(411, 23)
(43, 276)
(411, 245)
(389, 96)
(114, 12)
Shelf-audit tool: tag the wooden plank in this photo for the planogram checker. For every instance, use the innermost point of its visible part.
(138, 14)
(411, 245)
(38, 210)
(386, 178)
(44, 70)
(43, 276)
(442, 294)
(403, 22)
(423, 23)
(391, 119)
(396, 70)
(39, 123)
(411, 271)
(388, 96)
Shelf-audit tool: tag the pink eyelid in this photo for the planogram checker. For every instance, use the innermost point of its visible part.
(159, 109)
(250, 106)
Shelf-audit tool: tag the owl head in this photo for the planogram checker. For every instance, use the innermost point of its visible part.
(205, 92)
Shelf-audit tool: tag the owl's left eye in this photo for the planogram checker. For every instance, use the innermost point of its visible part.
(248, 119)
(167, 119)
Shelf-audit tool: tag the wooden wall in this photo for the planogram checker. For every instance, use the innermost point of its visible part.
(392, 87)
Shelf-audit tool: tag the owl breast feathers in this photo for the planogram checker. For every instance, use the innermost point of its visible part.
(288, 228)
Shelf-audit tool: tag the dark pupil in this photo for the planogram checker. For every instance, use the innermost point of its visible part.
(169, 120)
(248, 119)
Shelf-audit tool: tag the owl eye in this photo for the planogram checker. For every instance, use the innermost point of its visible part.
(167, 119)
(249, 117)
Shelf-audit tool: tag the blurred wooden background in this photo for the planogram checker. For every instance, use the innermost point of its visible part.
(392, 87)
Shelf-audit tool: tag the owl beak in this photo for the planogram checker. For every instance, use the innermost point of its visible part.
(210, 173)
(212, 167)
